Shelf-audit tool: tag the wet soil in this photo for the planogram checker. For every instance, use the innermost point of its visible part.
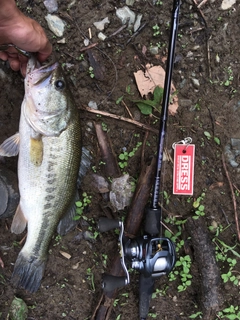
(206, 75)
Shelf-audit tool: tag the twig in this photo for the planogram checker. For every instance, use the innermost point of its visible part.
(201, 13)
(129, 112)
(117, 31)
(92, 45)
(114, 116)
(202, 3)
(233, 197)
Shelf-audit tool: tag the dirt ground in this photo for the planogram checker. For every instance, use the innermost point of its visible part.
(206, 76)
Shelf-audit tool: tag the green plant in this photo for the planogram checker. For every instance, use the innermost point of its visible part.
(90, 276)
(183, 265)
(124, 156)
(152, 315)
(209, 137)
(146, 106)
(231, 313)
(81, 205)
(156, 30)
(104, 127)
(230, 77)
(166, 197)
(199, 208)
(119, 99)
(195, 315)
(91, 72)
(159, 293)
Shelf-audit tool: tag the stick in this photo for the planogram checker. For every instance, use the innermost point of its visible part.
(233, 197)
(210, 293)
(107, 153)
(114, 116)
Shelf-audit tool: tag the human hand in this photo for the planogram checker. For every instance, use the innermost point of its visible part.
(24, 33)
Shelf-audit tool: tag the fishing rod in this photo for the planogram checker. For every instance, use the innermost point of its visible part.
(152, 255)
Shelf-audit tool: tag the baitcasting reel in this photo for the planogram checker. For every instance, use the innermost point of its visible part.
(151, 256)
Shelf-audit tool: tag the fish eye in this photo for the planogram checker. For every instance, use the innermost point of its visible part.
(59, 84)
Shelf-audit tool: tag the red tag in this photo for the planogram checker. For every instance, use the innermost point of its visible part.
(183, 169)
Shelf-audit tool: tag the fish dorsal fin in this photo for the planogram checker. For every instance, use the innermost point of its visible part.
(19, 221)
(10, 147)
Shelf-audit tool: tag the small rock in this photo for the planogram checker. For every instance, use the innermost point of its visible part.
(154, 50)
(185, 103)
(55, 24)
(86, 42)
(121, 192)
(51, 5)
(130, 2)
(126, 15)
(63, 40)
(227, 4)
(100, 25)
(93, 105)
(137, 22)
(102, 36)
(195, 82)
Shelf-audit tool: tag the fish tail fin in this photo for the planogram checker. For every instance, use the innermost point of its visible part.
(28, 272)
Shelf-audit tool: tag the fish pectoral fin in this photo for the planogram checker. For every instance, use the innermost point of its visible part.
(19, 222)
(67, 223)
(10, 147)
(36, 151)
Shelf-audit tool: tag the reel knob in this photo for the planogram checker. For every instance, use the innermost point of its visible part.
(105, 224)
(110, 283)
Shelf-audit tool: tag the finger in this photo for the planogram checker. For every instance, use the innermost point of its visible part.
(45, 52)
(3, 56)
(14, 64)
(23, 68)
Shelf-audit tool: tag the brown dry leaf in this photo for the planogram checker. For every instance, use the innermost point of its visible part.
(65, 254)
(152, 77)
(216, 185)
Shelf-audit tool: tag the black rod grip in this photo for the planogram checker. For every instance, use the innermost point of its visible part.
(152, 221)
(105, 224)
(110, 283)
(146, 286)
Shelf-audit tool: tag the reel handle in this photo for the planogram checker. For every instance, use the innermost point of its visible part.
(105, 224)
(110, 283)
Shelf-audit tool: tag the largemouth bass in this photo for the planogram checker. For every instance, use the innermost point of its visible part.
(49, 148)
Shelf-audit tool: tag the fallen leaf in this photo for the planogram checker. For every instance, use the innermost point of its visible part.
(216, 185)
(65, 254)
(152, 77)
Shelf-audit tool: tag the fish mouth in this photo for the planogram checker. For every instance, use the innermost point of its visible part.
(37, 73)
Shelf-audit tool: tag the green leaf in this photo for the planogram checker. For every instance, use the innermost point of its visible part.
(167, 234)
(18, 310)
(79, 204)
(207, 134)
(144, 108)
(119, 100)
(217, 140)
(201, 208)
(158, 95)
(195, 315)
